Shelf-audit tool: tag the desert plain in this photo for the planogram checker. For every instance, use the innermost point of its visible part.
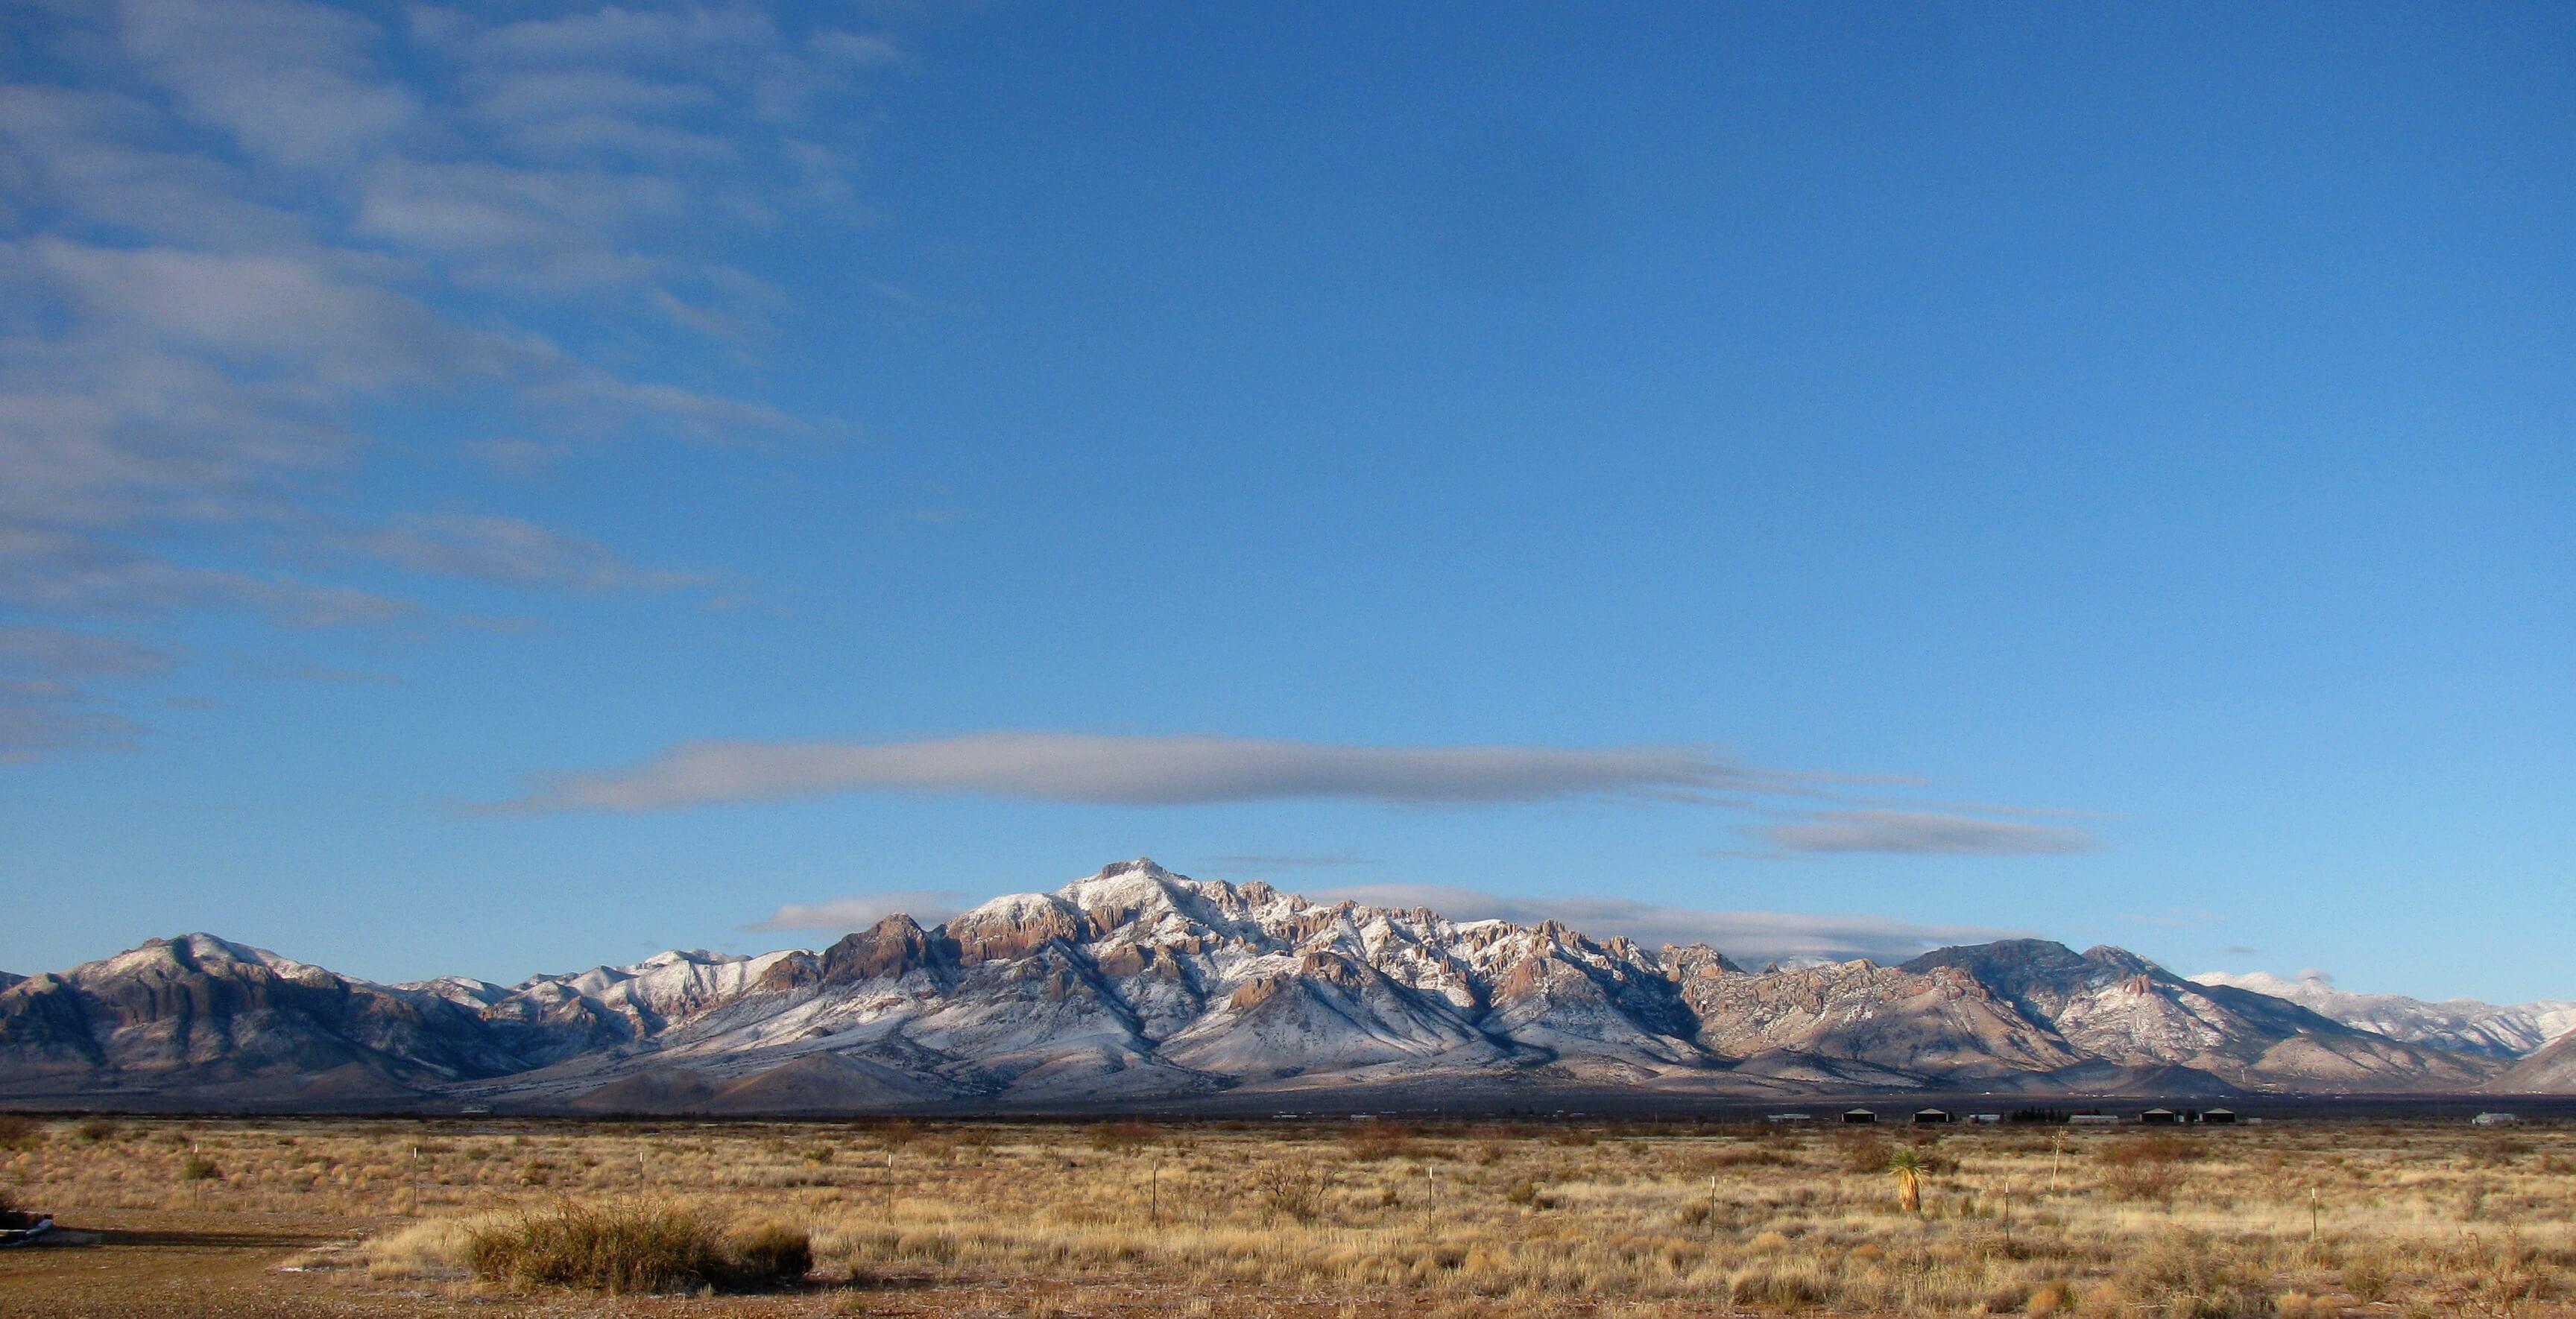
(2300, 1219)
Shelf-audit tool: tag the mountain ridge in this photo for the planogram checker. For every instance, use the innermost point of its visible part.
(1135, 985)
(2511, 1031)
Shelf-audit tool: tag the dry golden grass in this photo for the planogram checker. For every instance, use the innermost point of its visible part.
(2296, 1219)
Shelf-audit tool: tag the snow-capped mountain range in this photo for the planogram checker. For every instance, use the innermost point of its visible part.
(1139, 987)
(2456, 1023)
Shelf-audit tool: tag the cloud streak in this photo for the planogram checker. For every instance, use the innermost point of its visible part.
(858, 912)
(241, 235)
(46, 702)
(1136, 771)
(509, 551)
(1924, 833)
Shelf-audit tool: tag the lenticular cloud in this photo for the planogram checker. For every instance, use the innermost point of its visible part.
(1136, 771)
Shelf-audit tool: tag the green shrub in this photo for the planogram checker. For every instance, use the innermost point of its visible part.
(199, 1168)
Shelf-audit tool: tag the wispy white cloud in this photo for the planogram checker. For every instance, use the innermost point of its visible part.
(233, 233)
(841, 915)
(1257, 862)
(1924, 833)
(512, 552)
(2175, 919)
(1135, 771)
(47, 703)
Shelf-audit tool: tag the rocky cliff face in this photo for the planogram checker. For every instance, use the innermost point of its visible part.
(1137, 985)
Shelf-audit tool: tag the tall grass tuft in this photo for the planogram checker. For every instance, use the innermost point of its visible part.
(619, 1250)
(770, 1252)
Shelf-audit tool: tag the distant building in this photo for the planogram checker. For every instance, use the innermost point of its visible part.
(1859, 1116)
(2223, 1117)
(1924, 1116)
(1986, 1119)
(1789, 1117)
(2093, 1120)
(2496, 1120)
(2160, 1117)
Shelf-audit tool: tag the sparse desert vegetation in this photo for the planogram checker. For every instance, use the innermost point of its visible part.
(2299, 1219)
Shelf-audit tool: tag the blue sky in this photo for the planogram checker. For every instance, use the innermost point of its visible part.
(492, 490)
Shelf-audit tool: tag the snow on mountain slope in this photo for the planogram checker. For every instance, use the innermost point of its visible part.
(2463, 1024)
(212, 1011)
(1136, 985)
(2112, 1005)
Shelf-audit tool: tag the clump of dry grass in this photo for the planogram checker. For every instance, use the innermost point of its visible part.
(770, 1251)
(630, 1248)
(18, 1131)
(2184, 1275)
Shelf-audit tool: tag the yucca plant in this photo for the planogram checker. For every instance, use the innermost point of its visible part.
(1909, 1167)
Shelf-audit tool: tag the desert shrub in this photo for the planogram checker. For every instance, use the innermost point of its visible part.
(2145, 1167)
(2152, 1182)
(2160, 1148)
(17, 1131)
(1290, 1192)
(1371, 1142)
(2366, 1274)
(619, 1250)
(1862, 1151)
(1522, 1191)
(96, 1130)
(199, 1168)
(770, 1252)
(1134, 1133)
(2186, 1275)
